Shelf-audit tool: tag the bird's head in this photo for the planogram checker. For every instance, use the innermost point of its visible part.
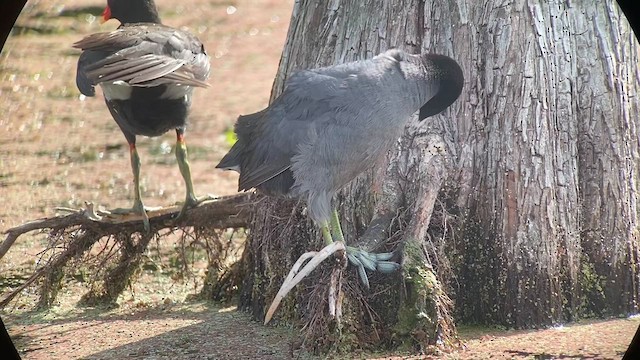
(131, 11)
(450, 80)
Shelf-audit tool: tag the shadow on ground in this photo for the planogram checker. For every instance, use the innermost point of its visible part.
(197, 330)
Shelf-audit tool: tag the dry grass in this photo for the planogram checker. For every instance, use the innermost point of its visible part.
(59, 150)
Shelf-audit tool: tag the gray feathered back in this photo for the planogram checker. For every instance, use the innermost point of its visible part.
(330, 124)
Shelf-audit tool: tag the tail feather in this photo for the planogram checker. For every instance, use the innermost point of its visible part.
(244, 128)
(232, 160)
(84, 84)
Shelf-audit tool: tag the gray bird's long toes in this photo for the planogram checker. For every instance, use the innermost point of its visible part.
(363, 261)
(296, 274)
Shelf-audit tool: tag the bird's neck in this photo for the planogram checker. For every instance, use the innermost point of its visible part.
(140, 12)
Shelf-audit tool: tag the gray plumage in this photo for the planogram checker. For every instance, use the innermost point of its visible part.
(141, 55)
(331, 124)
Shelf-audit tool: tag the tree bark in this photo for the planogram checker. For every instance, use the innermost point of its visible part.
(519, 201)
(550, 175)
(608, 160)
(521, 245)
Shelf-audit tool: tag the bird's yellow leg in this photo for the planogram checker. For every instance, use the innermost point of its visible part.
(138, 206)
(326, 234)
(185, 169)
(335, 226)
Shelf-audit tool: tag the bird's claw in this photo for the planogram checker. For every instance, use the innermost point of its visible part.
(139, 208)
(90, 212)
(145, 222)
(363, 261)
(192, 201)
(383, 256)
(387, 267)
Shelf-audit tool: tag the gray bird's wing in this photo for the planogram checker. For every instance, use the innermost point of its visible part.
(267, 140)
(142, 55)
(321, 113)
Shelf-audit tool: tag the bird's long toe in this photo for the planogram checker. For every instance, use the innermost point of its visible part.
(138, 209)
(363, 261)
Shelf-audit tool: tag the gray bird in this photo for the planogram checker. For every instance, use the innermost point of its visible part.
(147, 72)
(330, 124)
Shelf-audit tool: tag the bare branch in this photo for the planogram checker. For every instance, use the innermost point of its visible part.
(220, 213)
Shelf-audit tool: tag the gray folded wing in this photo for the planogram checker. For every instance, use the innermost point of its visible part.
(268, 140)
(320, 119)
(141, 55)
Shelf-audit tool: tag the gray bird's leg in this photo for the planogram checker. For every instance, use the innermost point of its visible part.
(185, 169)
(362, 259)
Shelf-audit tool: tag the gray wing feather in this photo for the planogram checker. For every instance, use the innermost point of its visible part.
(142, 55)
(267, 140)
(320, 115)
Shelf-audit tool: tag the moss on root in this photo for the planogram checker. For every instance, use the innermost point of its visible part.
(422, 317)
(417, 317)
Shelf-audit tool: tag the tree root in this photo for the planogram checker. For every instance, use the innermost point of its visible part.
(294, 277)
(72, 236)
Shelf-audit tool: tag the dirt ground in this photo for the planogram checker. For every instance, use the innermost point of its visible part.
(59, 149)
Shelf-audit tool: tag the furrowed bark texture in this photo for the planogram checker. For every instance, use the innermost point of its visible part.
(521, 198)
(607, 110)
(521, 193)
(549, 175)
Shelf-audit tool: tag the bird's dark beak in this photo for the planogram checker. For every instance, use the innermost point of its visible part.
(106, 15)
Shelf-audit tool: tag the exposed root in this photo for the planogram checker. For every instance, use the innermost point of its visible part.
(118, 277)
(294, 277)
(225, 270)
(113, 251)
(335, 295)
(223, 212)
(51, 269)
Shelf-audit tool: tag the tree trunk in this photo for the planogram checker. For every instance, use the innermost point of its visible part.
(519, 201)
(549, 175)
(607, 109)
(521, 245)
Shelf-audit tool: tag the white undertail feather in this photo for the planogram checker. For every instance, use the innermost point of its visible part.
(117, 90)
(176, 91)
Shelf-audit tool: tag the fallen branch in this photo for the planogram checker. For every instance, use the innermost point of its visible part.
(223, 212)
(72, 235)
